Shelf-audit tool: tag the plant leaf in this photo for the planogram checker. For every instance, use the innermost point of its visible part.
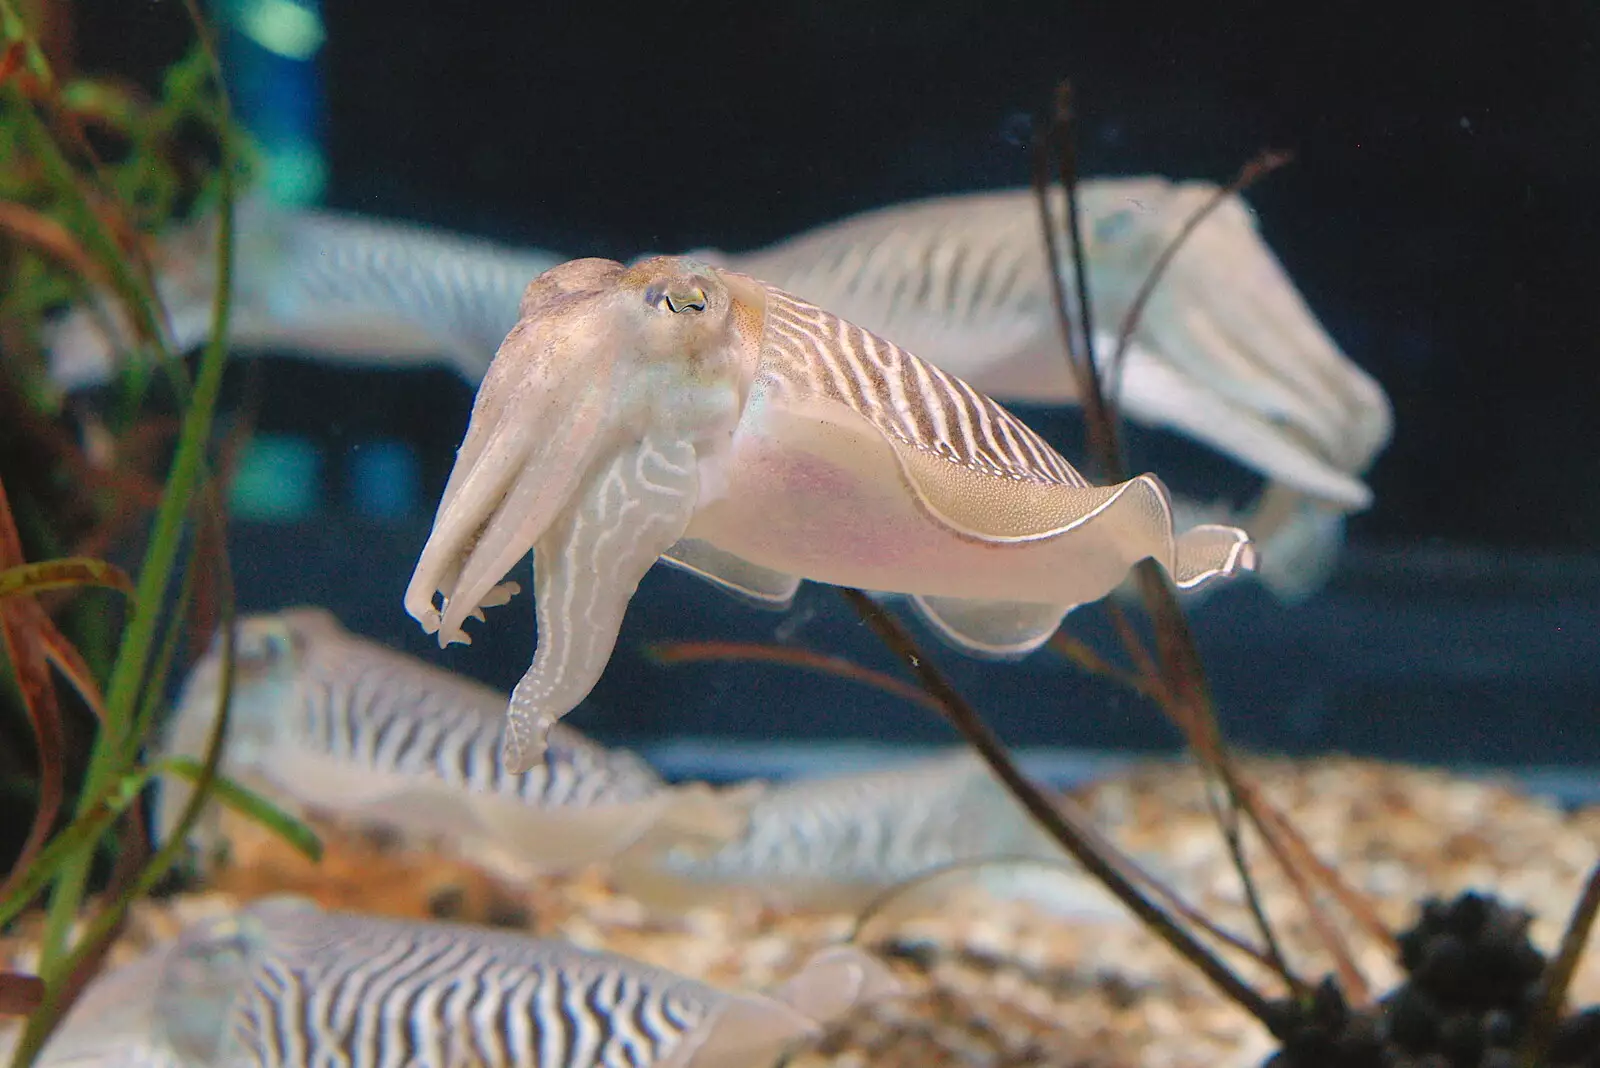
(25, 579)
(20, 994)
(20, 635)
(252, 805)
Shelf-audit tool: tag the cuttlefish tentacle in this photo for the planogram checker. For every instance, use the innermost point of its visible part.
(535, 427)
(586, 568)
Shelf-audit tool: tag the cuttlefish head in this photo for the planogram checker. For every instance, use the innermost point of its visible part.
(269, 652)
(605, 362)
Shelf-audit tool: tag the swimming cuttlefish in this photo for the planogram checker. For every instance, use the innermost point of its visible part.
(677, 411)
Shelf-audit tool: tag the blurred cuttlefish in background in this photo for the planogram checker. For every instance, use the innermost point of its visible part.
(328, 720)
(674, 410)
(1225, 352)
(284, 984)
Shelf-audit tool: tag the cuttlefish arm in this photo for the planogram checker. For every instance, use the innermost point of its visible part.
(589, 442)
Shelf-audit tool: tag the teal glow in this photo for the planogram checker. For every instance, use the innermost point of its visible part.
(297, 174)
(282, 27)
(279, 480)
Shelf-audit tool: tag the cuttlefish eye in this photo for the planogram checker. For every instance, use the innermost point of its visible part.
(676, 297)
(262, 650)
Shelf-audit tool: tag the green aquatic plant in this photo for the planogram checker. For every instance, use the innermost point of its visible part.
(71, 224)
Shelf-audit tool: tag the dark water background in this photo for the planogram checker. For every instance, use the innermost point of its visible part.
(1440, 218)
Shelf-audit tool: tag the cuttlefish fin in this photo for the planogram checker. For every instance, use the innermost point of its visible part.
(624, 514)
(1208, 551)
(693, 817)
(761, 586)
(835, 981)
(999, 629)
(754, 1029)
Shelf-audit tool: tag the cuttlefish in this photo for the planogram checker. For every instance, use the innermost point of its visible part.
(368, 291)
(678, 411)
(284, 984)
(325, 719)
(837, 842)
(1225, 350)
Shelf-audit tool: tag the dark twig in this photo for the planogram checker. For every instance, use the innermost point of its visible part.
(1080, 653)
(1262, 165)
(880, 903)
(1558, 975)
(1099, 414)
(982, 738)
(666, 653)
(1183, 673)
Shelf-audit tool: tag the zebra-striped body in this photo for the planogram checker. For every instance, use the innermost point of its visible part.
(329, 720)
(819, 451)
(283, 984)
(327, 283)
(811, 354)
(844, 838)
(390, 994)
(839, 841)
(993, 512)
(964, 282)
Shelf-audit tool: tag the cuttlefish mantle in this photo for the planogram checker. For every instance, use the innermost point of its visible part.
(677, 411)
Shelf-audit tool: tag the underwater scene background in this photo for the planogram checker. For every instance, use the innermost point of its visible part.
(1345, 260)
(1433, 220)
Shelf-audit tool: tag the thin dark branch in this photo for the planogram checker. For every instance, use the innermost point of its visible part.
(1558, 975)
(1183, 675)
(1262, 165)
(1100, 416)
(982, 738)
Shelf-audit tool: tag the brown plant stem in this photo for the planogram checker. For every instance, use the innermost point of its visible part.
(1558, 974)
(1179, 658)
(22, 622)
(837, 666)
(982, 738)
(20, 994)
(1262, 165)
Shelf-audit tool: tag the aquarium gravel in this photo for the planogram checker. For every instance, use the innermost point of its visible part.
(1003, 983)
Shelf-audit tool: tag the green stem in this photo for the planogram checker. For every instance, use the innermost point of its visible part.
(113, 746)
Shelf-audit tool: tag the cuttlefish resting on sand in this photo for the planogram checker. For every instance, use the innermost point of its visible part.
(1226, 351)
(674, 410)
(284, 984)
(326, 720)
(837, 842)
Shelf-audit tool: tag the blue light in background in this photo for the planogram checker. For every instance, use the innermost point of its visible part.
(279, 480)
(385, 479)
(270, 51)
